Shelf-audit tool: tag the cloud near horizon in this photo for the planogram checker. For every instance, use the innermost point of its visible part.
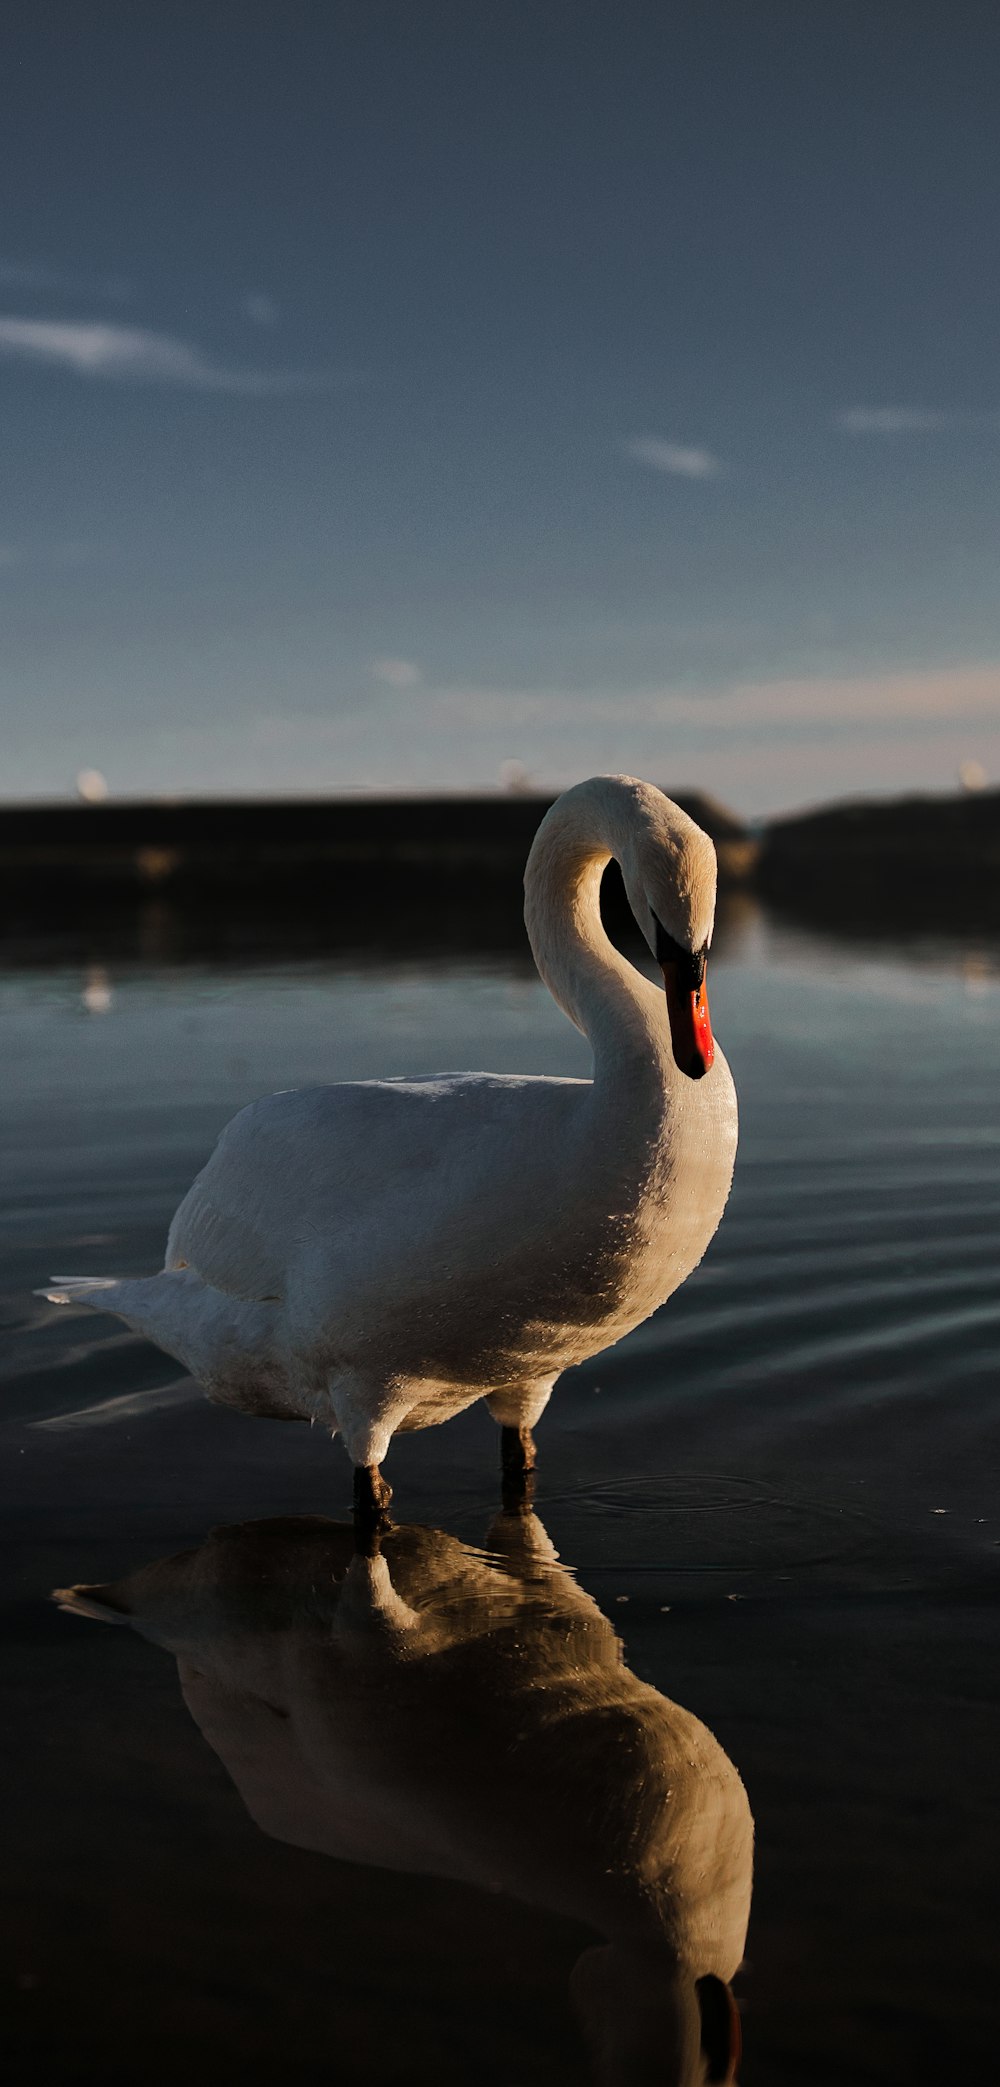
(679, 459)
(135, 355)
(927, 699)
(937, 695)
(761, 746)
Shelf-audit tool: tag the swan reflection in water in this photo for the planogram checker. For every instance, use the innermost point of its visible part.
(449, 1712)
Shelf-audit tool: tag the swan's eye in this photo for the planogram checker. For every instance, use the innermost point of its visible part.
(689, 963)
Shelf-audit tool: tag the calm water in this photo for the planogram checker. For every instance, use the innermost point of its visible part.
(781, 1493)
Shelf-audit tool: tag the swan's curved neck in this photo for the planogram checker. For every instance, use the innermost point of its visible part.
(619, 1012)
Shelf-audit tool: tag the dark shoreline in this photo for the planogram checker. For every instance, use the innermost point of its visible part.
(911, 864)
(178, 881)
(447, 869)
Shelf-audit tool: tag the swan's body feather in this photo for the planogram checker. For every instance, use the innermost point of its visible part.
(380, 1254)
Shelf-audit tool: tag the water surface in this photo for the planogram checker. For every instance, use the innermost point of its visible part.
(781, 1491)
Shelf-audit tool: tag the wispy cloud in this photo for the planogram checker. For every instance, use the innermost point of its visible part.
(895, 420)
(397, 673)
(927, 695)
(760, 744)
(134, 355)
(678, 458)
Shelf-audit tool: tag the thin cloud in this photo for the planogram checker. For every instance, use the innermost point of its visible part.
(675, 457)
(928, 696)
(133, 355)
(894, 420)
(397, 673)
(902, 732)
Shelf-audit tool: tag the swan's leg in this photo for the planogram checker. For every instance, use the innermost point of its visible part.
(368, 1534)
(517, 1407)
(371, 1497)
(518, 1457)
(367, 1416)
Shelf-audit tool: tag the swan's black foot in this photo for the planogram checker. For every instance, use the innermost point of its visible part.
(517, 1463)
(371, 1499)
(368, 1537)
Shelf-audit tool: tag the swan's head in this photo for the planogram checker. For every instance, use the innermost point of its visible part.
(669, 868)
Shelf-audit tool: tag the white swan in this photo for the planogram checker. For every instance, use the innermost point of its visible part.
(446, 1712)
(380, 1254)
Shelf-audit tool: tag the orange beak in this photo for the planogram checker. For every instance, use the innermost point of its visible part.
(690, 1024)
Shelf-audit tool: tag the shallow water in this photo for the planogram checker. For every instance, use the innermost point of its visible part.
(781, 1491)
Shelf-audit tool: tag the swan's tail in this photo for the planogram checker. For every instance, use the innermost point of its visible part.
(140, 1300)
(217, 1337)
(69, 1289)
(95, 1601)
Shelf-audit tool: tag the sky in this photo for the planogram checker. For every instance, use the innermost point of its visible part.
(393, 391)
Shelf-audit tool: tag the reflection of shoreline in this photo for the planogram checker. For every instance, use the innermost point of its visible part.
(417, 921)
(440, 1711)
(157, 935)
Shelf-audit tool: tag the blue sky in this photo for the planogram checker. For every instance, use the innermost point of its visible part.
(390, 391)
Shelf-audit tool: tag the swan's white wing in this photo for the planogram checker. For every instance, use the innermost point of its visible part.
(315, 1167)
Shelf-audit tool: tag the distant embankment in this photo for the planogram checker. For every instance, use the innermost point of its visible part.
(368, 867)
(421, 872)
(915, 864)
(243, 845)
